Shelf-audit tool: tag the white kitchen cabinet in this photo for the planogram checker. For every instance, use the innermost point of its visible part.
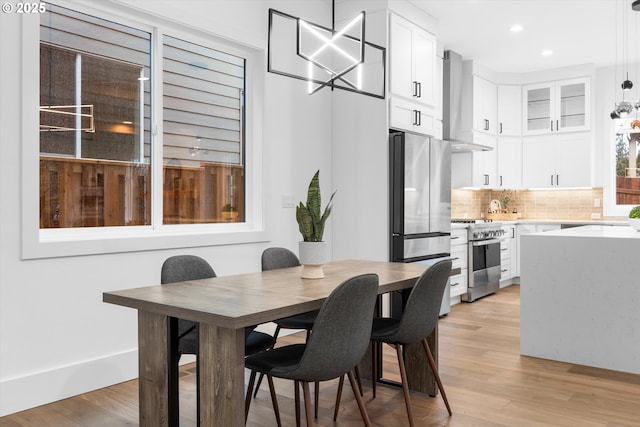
(485, 106)
(561, 106)
(509, 160)
(557, 161)
(414, 117)
(459, 257)
(412, 62)
(475, 169)
(508, 255)
(509, 110)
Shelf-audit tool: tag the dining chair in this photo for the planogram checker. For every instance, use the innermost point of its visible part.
(339, 340)
(180, 268)
(418, 321)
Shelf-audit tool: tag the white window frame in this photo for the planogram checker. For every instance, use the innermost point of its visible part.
(51, 243)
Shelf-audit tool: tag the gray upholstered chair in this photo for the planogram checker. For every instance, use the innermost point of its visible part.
(340, 338)
(418, 321)
(190, 267)
(276, 258)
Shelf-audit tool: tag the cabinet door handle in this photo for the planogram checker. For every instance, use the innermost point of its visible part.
(500, 180)
(419, 90)
(454, 238)
(417, 117)
(558, 180)
(486, 124)
(551, 179)
(415, 88)
(551, 125)
(557, 126)
(486, 179)
(500, 128)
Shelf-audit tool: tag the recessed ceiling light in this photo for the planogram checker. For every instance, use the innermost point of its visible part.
(547, 52)
(516, 28)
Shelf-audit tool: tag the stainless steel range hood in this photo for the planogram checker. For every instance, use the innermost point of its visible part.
(452, 130)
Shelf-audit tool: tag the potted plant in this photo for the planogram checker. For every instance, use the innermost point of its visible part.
(311, 221)
(229, 212)
(634, 218)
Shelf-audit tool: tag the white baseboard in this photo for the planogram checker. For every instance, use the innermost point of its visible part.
(39, 388)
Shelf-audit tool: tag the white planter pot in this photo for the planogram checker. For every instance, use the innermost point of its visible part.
(312, 256)
(635, 223)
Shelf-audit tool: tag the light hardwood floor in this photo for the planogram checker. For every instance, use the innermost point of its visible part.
(487, 381)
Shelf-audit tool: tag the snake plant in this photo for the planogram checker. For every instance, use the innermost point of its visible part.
(310, 221)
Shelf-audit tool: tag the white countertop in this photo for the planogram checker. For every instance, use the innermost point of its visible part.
(599, 231)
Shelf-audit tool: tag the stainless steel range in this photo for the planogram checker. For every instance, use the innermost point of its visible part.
(484, 238)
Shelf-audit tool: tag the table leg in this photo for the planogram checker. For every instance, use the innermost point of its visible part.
(153, 367)
(221, 365)
(419, 374)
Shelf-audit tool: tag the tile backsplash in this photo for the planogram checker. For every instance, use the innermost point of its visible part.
(531, 204)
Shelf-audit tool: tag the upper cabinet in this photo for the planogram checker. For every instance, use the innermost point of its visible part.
(485, 105)
(412, 62)
(561, 106)
(509, 110)
(416, 99)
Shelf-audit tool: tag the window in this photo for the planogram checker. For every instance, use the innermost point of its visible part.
(627, 170)
(97, 112)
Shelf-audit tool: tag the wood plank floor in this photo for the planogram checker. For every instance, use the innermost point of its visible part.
(487, 381)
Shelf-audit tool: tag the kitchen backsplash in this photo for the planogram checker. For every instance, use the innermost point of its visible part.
(531, 204)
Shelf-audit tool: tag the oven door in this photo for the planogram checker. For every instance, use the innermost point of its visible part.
(485, 254)
(484, 269)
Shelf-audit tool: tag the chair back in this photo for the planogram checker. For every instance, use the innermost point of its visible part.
(422, 309)
(275, 258)
(179, 268)
(341, 332)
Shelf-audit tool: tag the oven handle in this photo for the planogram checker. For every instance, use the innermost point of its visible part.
(486, 242)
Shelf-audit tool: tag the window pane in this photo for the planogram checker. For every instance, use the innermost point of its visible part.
(203, 134)
(627, 163)
(95, 120)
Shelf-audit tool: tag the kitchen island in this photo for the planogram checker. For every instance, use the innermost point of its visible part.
(580, 296)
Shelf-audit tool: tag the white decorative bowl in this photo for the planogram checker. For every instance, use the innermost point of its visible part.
(635, 223)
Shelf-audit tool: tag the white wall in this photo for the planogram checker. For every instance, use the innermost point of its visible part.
(57, 337)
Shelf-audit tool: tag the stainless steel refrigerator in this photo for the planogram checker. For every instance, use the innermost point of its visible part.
(420, 201)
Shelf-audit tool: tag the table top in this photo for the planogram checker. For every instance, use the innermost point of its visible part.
(248, 299)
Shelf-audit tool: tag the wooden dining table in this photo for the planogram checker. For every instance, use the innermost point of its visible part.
(223, 307)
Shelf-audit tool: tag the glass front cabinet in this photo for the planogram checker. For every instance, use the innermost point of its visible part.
(561, 106)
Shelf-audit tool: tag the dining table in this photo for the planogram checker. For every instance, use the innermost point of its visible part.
(223, 306)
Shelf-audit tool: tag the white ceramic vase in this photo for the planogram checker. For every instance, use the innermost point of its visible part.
(312, 256)
(635, 223)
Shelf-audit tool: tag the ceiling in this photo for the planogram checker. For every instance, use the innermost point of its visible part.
(577, 31)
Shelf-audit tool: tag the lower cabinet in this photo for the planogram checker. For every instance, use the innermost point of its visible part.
(459, 255)
(508, 255)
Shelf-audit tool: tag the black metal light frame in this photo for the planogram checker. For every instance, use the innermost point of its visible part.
(337, 81)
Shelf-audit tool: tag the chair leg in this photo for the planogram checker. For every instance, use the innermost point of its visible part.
(307, 403)
(359, 380)
(338, 398)
(275, 337)
(374, 362)
(247, 400)
(405, 385)
(274, 400)
(316, 398)
(363, 409)
(434, 369)
(297, 401)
